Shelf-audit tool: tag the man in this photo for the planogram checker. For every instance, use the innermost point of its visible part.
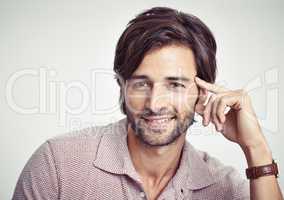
(165, 66)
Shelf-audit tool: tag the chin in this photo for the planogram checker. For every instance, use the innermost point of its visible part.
(158, 137)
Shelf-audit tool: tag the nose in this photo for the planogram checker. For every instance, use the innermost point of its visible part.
(158, 98)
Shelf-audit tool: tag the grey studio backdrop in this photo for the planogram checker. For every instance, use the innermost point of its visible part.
(56, 71)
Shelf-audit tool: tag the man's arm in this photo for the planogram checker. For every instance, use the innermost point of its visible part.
(239, 125)
(264, 187)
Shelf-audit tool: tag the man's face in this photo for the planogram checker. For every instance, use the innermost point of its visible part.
(160, 95)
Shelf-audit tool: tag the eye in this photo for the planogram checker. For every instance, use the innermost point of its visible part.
(140, 85)
(175, 85)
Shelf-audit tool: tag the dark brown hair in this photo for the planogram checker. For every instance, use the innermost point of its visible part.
(156, 28)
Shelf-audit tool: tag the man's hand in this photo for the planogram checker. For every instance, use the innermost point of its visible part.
(239, 124)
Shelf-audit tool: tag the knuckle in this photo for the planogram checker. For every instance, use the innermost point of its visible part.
(207, 110)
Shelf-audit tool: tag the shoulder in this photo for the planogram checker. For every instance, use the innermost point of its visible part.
(59, 160)
(84, 140)
(226, 181)
(77, 147)
(217, 168)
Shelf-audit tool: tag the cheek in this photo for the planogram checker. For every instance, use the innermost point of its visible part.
(135, 104)
(186, 102)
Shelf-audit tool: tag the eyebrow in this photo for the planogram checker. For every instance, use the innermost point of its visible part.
(138, 77)
(168, 78)
(177, 78)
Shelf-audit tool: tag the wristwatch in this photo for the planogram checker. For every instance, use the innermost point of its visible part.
(264, 170)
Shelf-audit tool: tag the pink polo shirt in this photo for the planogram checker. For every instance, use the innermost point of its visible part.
(95, 164)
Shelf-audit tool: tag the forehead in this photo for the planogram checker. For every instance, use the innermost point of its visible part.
(168, 61)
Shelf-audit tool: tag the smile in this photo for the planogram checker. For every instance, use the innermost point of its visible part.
(158, 122)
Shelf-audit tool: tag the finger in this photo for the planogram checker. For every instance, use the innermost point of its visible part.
(221, 107)
(202, 97)
(233, 100)
(207, 111)
(199, 108)
(209, 86)
(214, 117)
(203, 93)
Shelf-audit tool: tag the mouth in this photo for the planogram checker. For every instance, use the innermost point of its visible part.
(159, 122)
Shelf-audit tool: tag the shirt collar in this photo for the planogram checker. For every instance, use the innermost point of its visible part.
(194, 168)
(113, 156)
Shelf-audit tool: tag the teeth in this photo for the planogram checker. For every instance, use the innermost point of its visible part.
(160, 121)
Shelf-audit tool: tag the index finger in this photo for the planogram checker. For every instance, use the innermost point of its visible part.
(209, 86)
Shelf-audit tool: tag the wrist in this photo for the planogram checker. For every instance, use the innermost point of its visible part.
(257, 155)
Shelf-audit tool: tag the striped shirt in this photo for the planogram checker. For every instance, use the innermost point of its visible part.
(95, 164)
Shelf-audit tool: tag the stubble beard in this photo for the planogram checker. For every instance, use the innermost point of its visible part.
(148, 138)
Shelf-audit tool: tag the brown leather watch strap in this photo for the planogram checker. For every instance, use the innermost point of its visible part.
(265, 170)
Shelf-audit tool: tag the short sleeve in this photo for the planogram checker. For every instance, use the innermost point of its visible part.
(229, 184)
(38, 180)
(239, 187)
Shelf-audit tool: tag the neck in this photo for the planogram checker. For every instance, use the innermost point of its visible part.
(155, 164)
